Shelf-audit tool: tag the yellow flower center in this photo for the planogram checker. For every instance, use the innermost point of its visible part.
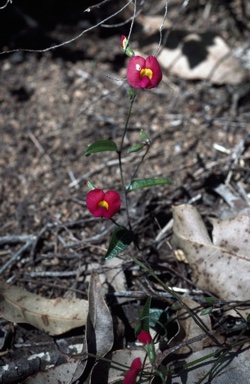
(146, 72)
(104, 204)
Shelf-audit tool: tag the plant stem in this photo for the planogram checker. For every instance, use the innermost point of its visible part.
(120, 157)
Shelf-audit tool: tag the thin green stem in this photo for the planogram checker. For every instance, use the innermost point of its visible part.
(140, 163)
(120, 156)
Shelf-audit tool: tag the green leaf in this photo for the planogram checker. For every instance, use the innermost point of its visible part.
(90, 185)
(211, 300)
(135, 147)
(144, 136)
(145, 183)
(206, 311)
(121, 239)
(101, 146)
(155, 314)
(144, 317)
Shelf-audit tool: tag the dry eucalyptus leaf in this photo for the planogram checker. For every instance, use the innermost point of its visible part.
(53, 316)
(99, 336)
(116, 277)
(199, 56)
(221, 266)
(60, 374)
(232, 369)
(189, 326)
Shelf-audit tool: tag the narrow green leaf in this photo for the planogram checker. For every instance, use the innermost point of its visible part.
(144, 136)
(135, 147)
(101, 146)
(90, 185)
(211, 300)
(144, 316)
(206, 311)
(145, 183)
(121, 239)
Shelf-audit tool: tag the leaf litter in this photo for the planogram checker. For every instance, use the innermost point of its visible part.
(221, 265)
(176, 135)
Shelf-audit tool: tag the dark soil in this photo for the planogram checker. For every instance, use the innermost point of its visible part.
(54, 103)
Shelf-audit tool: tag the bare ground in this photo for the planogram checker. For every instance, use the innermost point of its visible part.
(53, 105)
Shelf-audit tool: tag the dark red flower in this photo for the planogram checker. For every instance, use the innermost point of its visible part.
(144, 73)
(102, 204)
(134, 369)
(144, 337)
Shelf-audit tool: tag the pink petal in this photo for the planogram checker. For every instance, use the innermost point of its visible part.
(133, 73)
(152, 63)
(114, 202)
(92, 200)
(131, 375)
(144, 337)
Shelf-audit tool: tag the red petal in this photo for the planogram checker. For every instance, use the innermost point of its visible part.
(131, 375)
(152, 63)
(133, 74)
(114, 202)
(136, 364)
(144, 337)
(92, 200)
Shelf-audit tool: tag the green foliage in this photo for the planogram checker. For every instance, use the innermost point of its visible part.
(206, 311)
(121, 239)
(146, 183)
(144, 317)
(136, 147)
(101, 146)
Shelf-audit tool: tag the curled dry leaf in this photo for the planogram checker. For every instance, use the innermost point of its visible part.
(233, 367)
(190, 328)
(221, 266)
(199, 56)
(99, 336)
(53, 316)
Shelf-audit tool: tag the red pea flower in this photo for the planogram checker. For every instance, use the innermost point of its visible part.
(134, 369)
(144, 337)
(102, 204)
(144, 73)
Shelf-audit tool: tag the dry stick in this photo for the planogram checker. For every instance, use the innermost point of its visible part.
(96, 5)
(87, 175)
(70, 40)
(18, 254)
(16, 239)
(183, 344)
(5, 5)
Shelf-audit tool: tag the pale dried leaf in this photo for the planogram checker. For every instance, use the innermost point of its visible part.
(189, 326)
(99, 336)
(152, 24)
(53, 316)
(200, 56)
(116, 277)
(233, 369)
(60, 374)
(221, 267)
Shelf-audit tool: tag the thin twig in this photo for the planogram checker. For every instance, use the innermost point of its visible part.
(18, 254)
